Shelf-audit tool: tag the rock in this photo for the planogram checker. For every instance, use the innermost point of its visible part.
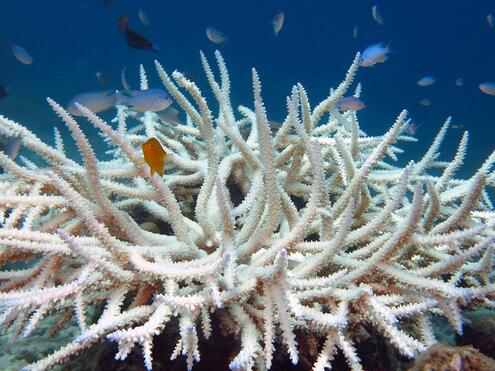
(150, 227)
(479, 331)
(442, 357)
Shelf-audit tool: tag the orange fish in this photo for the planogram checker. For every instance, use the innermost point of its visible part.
(154, 155)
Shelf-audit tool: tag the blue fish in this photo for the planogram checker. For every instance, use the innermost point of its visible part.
(373, 54)
(426, 81)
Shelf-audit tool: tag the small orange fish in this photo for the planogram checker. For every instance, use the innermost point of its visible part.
(154, 155)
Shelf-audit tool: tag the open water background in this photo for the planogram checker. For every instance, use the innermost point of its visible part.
(70, 40)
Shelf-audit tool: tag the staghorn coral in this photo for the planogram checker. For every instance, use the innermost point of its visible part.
(307, 228)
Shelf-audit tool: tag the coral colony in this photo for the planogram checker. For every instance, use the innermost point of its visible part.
(307, 226)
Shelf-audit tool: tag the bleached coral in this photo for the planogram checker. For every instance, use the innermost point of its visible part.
(302, 226)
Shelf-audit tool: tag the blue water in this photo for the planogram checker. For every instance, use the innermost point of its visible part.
(70, 40)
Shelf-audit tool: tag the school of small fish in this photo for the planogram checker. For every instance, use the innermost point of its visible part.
(159, 101)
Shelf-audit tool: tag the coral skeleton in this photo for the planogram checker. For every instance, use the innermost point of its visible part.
(276, 230)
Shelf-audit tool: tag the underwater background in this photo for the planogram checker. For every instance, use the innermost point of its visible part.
(71, 40)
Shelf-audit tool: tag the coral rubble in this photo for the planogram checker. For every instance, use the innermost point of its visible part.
(311, 228)
(445, 358)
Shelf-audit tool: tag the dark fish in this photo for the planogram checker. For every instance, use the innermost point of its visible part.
(3, 91)
(122, 23)
(107, 2)
(134, 39)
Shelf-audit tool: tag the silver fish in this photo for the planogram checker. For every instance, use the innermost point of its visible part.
(278, 22)
(144, 18)
(13, 146)
(487, 88)
(490, 20)
(145, 100)
(426, 81)
(97, 101)
(376, 15)
(215, 36)
(123, 79)
(21, 54)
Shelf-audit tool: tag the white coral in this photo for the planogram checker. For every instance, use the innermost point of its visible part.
(307, 228)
